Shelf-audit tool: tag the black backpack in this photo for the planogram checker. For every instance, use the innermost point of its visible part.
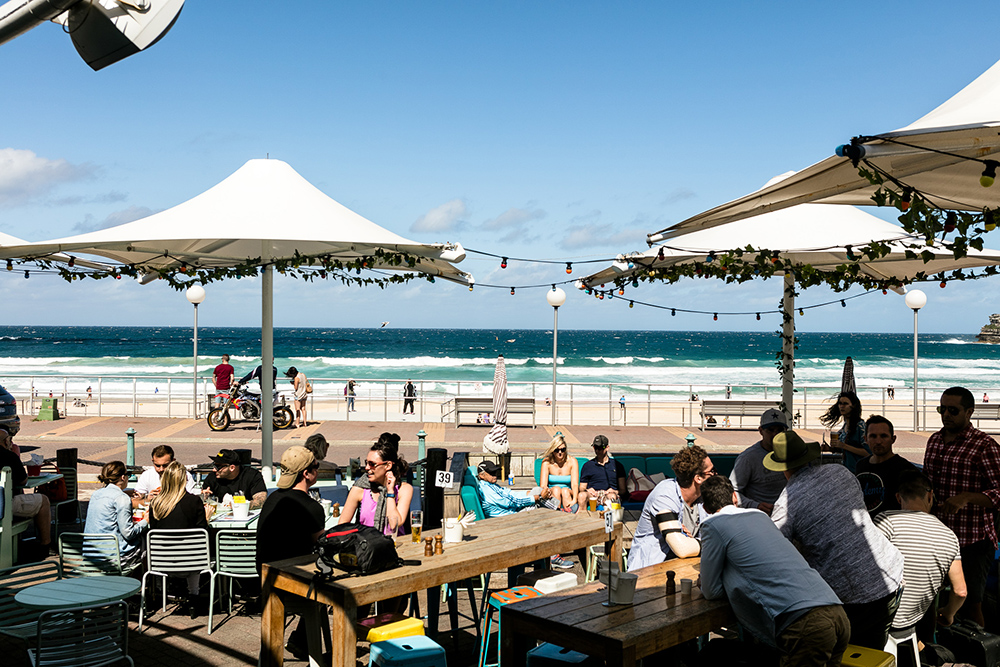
(355, 549)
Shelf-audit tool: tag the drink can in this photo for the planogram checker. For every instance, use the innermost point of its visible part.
(510, 480)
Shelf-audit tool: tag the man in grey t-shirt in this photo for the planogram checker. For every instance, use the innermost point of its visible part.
(823, 510)
(757, 486)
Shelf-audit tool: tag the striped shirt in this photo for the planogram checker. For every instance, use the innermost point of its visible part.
(929, 548)
(971, 462)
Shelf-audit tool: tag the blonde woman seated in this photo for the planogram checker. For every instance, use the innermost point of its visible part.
(560, 476)
(176, 509)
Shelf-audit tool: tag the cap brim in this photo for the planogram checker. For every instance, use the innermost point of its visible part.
(812, 452)
(285, 480)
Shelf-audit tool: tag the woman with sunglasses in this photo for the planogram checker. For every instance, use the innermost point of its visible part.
(851, 437)
(381, 494)
(560, 475)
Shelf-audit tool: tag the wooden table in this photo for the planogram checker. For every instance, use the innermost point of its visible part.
(77, 592)
(38, 480)
(619, 635)
(489, 545)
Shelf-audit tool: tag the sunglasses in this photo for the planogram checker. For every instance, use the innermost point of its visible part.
(600, 446)
(950, 409)
(373, 464)
(561, 450)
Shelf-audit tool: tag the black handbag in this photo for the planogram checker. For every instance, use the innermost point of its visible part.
(355, 549)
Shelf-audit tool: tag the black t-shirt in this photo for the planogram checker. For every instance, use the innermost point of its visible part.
(189, 512)
(286, 526)
(879, 481)
(602, 477)
(248, 480)
(18, 474)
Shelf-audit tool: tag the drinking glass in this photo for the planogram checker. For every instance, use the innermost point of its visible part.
(416, 523)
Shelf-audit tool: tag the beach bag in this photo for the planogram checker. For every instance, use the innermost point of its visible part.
(638, 485)
(309, 387)
(356, 549)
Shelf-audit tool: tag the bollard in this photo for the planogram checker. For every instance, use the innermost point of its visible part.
(690, 437)
(130, 450)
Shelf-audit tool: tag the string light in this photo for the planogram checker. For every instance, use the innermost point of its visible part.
(715, 317)
(843, 303)
(635, 282)
(950, 222)
(673, 312)
(711, 256)
(989, 223)
(10, 265)
(72, 262)
(621, 291)
(758, 317)
(26, 275)
(470, 287)
(631, 304)
(989, 173)
(943, 284)
(885, 291)
(569, 267)
(503, 263)
(660, 255)
(430, 280)
(512, 291)
(904, 205)
(850, 253)
(801, 312)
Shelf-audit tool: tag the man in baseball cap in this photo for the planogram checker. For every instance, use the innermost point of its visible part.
(233, 478)
(602, 476)
(756, 486)
(294, 462)
(497, 500)
(823, 510)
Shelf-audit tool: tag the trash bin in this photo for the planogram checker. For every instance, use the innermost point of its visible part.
(49, 410)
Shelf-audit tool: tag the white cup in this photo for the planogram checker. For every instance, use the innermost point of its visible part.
(241, 511)
(327, 506)
(454, 531)
(686, 586)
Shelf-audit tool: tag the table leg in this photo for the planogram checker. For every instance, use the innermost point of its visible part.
(623, 658)
(615, 555)
(343, 635)
(272, 629)
(514, 645)
(314, 632)
(433, 610)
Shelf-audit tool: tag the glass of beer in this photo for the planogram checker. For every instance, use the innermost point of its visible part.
(592, 503)
(416, 523)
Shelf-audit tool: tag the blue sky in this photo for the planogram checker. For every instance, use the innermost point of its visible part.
(544, 130)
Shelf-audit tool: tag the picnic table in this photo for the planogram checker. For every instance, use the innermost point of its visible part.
(619, 635)
(489, 545)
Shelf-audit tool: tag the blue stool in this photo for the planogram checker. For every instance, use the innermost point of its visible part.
(550, 655)
(499, 600)
(416, 651)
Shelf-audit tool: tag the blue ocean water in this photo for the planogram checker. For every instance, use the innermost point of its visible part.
(669, 360)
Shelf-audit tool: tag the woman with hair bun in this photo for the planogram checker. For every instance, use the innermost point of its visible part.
(382, 494)
(110, 511)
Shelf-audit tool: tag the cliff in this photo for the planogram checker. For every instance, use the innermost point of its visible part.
(991, 332)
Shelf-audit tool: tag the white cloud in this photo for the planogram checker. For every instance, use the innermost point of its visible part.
(129, 214)
(590, 236)
(514, 217)
(444, 218)
(25, 176)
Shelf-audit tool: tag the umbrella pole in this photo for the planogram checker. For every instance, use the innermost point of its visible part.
(788, 347)
(266, 374)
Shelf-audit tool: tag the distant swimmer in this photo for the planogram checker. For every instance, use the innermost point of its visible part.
(511, 340)
(384, 324)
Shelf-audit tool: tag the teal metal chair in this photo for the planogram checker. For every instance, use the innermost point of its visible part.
(177, 553)
(235, 558)
(90, 555)
(82, 637)
(15, 620)
(471, 499)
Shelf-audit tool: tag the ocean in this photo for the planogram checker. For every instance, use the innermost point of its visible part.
(441, 358)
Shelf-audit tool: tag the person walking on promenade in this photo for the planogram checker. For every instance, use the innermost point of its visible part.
(757, 486)
(349, 395)
(223, 378)
(963, 464)
(409, 396)
(621, 403)
(851, 438)
(301, 393)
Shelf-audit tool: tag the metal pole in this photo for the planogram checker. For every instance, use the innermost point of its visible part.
(130, 449)
(421, 455)
(788, 348)
(194, 379)
(555, 347)
(266, 364)
(915, 415)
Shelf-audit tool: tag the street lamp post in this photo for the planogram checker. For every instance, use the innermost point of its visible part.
(556, 297)
(916, 300)
(195, 294)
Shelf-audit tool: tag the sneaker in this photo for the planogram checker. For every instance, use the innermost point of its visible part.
(561, 563)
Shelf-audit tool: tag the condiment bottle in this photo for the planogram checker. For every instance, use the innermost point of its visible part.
(428, 547)
(671, 583)
(438, 545)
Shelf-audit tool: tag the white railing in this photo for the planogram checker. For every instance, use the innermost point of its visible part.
(647, 404)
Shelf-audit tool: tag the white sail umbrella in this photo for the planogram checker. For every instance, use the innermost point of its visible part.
(817, 235)
(495, 442)
(942, 155)
(262, 214)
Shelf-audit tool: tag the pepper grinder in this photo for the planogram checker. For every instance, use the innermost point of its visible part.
(428, 547)
(438, 545)
(336, 509)
(671, 583)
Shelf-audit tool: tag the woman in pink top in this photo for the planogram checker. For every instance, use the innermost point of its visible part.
(381, 494)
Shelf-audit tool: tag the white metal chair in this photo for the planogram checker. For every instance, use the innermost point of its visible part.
(82, 637)
(90, 555)
(892, 643)
(177, 553)
(235, 557)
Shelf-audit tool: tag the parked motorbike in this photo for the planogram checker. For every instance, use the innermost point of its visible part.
(247, 406)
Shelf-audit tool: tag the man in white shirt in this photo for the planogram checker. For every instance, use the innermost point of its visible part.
(148, 485)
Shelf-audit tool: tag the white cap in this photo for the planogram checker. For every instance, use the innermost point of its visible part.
(772, 417)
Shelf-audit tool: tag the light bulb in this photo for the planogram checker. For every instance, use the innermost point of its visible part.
(569, 267)
(989, 173)
(503, 263)
(631, 304)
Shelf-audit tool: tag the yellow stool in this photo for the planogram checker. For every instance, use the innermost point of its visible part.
(858, 656)
(389, 626)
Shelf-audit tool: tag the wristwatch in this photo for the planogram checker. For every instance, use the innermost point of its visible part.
(390, 495)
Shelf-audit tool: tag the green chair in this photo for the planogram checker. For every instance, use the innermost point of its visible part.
(15, 620)
(82, 637)
(90, 555)
(235, 558)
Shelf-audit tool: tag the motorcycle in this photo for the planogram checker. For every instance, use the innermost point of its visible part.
(248, 406)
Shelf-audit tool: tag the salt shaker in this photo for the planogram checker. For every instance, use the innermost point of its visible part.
(428, 547)
(438, 546)
(671, 583)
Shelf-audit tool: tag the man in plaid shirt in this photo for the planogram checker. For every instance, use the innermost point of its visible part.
(963, 464)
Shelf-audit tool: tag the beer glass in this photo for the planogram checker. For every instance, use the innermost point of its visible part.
(416, 523)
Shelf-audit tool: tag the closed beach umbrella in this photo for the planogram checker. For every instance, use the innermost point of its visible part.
(495, 442)
(847, 381)
(263, 214)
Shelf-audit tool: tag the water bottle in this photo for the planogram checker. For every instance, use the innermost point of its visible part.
(510, 479)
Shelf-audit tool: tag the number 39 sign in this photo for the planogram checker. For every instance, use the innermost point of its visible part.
(444, 479)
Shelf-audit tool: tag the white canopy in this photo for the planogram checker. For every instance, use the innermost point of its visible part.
(966, 126)
(264, 210)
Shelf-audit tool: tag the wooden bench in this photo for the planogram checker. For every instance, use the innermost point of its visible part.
(988, 411)
(479, 406)
(9, 528)
(735, 408)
